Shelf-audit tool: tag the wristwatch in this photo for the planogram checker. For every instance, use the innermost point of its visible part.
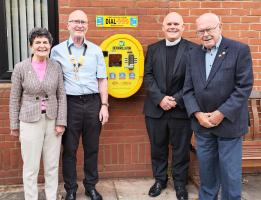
(105, 104)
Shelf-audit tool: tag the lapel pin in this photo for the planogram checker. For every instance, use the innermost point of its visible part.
(222, 54)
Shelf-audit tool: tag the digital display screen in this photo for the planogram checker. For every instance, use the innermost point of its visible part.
(115, 60)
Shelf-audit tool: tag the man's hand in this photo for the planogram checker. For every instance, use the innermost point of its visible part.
(15, 132)
(216, 117)
(104, 114)
(167, 103)
(204, 119)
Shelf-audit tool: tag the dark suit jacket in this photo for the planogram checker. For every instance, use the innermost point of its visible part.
(155, 78)
(227, 88)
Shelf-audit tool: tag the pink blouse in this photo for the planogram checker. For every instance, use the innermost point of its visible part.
(39, 68)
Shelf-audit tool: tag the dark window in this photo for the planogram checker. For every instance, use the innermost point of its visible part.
(17, 18)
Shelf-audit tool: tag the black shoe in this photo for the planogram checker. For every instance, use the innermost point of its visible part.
(93, 194)
(70, 196)
(181, 193)
(155, 190)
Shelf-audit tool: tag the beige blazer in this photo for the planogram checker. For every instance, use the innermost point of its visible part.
(27, 92)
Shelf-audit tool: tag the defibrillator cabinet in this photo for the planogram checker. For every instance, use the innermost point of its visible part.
(124, 63)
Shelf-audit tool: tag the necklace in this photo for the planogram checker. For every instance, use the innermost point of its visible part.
(76, 63)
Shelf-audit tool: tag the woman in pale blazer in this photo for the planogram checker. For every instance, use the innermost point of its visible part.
(38, 114)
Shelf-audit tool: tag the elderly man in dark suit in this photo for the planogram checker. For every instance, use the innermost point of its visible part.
(165, 114)
(218, 83)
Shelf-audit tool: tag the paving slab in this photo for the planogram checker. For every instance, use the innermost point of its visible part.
(251, 187)
(133, 189)
(111, 189)
(137, 189)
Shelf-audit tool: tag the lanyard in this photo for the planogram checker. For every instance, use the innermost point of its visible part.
(76, 64)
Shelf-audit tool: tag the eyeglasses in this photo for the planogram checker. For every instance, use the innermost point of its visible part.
(208, 30)
(78, 22)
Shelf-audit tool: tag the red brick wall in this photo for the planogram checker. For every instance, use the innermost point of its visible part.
(124, 147)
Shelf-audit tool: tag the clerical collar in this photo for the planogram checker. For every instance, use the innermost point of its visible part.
(169, 43)
(214, 47)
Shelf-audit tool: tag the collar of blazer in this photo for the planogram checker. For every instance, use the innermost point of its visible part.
(28, 63)
(199, 60)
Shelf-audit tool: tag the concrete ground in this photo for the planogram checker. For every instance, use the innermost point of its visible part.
(134, 189)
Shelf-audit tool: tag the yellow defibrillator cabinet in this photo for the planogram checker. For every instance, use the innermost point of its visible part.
(125, 64)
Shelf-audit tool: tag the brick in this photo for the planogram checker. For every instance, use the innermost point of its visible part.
(189, 4)
(174, 4)
(229, 4)
(134, 11)
(256, 55)
(254, 48)
(4, 93)
(221, 12)
(229, 19)
(240, 12)
(107, 154)
(182, 12)
(255, 27)
(114, 154)
(127, 153)
(121, 153)
(190, 19)
(4, 101)
(121, 133)
(147, 153)
(5, 154)
(4, 108)
(134, 153)
(255, 41)
(210, 4)
(114, 11)
(249, 19)
(252, 4)
(151, 4)
(147, 33)
(159, 11)
(238, 26)
(63, 3)
(7, 145)
(255, 11)
(142, 155)
(249, 34)
(4, 130)
(79, 3)
(16, 159)
(150, 19)
(119, 4)
(199, 11)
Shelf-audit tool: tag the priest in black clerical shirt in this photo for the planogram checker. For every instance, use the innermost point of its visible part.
(165, 115)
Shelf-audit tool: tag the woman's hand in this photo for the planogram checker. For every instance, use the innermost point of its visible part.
(15, 132)
(59, 130)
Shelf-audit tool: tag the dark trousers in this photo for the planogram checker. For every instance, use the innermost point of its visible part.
(82, 119)
(165, 131)
(220, 164)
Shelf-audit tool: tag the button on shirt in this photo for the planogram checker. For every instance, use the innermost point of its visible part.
(92, 68)
(210, 57)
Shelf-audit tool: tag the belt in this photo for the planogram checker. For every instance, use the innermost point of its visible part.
(43, 111)
(83, 96)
